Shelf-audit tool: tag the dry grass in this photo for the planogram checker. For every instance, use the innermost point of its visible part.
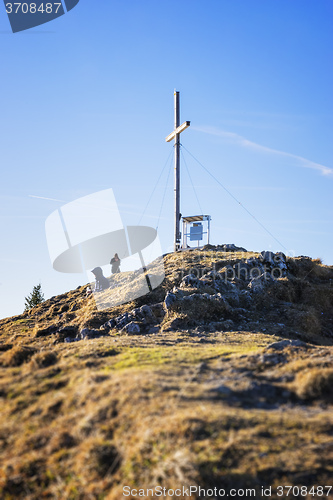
(315, 384)
(43, 359)
(18, 355)
(150, 415)
(187, 406)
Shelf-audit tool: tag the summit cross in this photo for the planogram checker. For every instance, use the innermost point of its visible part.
(176, 136)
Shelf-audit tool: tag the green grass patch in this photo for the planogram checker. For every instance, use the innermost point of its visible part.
(143, 357)
(21, 321)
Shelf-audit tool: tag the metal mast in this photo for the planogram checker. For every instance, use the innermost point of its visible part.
(177, 174)
(178, 129)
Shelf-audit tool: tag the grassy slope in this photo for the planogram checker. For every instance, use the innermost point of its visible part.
(193, 406)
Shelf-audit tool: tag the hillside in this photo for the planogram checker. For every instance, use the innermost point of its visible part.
(222, 377)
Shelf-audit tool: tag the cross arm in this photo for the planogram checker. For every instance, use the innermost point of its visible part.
(178, 130)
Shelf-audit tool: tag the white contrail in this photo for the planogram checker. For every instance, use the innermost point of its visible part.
(242, 141)
(44, 198)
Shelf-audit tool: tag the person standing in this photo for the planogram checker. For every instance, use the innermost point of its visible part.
(115, 264)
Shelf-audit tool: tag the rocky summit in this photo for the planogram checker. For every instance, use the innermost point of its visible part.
(221, 378)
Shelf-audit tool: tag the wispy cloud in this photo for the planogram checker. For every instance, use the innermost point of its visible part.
(242, 141)
(44, 198)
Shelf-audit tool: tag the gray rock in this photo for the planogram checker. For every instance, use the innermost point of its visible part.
(258, 285)
(143, 313)
(132, 328)
(88, 333)
(211, 275)
(242, 271)
(278, 346)
(109, 325)
(223, 326)
(253, 262)
(282, 266)
(146, 312)
(190, 280)
(230, 247)
(267, 257)
(279, 256)
(228, 324)
(222, 286)
(265, 390)
(274, 260)
(226, 287)
(44, 332)
(245, 298)
(84, 332)
(169, 300)
(123, 320)
(153, 329)
(223, 389)
(158, 310)
(272, 359)
(216, 297)
(68, 330)
(176, 324)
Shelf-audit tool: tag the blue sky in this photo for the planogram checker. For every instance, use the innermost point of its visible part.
(87, 101)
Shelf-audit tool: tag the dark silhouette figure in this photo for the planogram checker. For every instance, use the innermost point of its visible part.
(102, 283)
(115, 264)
